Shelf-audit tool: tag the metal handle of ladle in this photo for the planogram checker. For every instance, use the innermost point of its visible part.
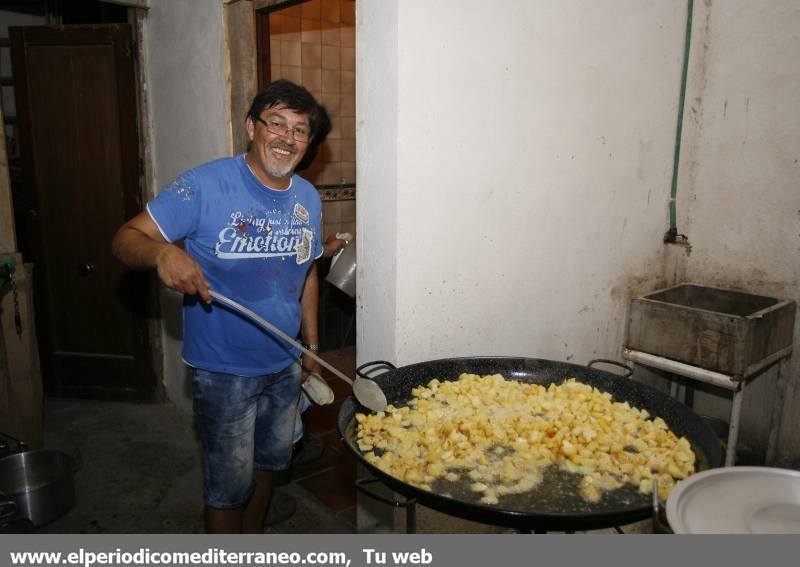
(272, 328)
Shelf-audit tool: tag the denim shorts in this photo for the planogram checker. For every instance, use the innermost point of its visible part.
(245, 424)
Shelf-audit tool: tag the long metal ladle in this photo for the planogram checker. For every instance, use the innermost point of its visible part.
(367, 392)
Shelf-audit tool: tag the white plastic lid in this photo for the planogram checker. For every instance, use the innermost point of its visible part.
(757, 500)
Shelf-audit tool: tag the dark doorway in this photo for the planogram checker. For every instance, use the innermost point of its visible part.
(313, 43)
(32, 13)
(75, 94)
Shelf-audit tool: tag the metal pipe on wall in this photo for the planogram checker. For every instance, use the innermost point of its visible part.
(672, 235)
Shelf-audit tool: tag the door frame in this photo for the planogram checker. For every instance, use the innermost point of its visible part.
(137, 17)
(264, 73)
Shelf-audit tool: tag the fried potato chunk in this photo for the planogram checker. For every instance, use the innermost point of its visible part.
(501, 433)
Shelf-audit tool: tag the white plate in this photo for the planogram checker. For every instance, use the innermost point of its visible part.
(755, 500)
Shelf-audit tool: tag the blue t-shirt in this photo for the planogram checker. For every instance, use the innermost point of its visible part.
(255, 245)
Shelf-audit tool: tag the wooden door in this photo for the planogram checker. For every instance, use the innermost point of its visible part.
(76, 101)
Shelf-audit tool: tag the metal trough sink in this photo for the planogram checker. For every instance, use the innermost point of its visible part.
(727, 331)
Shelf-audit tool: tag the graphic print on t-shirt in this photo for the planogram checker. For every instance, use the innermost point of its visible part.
(266, 234)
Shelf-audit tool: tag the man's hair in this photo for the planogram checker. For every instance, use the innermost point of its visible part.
(292, 96)
(324, 127)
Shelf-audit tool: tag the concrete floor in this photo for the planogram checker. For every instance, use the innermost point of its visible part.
(142, 473)
(141, 467)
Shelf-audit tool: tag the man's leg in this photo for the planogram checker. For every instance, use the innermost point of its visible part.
(225, 414)
(223, 521)
(274, 436)
(255, 511)
(306, 448)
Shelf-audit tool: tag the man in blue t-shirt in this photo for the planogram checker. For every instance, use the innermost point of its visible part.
(251, 230)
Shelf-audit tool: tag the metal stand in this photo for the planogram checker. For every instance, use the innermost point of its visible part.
(410, 505)
(735, 384)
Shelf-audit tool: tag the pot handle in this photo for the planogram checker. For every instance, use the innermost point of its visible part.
(377, 363)
(628, 371)
(7, 506)
(21, 445)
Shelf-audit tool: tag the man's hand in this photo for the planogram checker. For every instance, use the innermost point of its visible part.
(310, 366)
(140, 245)
(180, 272)
(335, 242)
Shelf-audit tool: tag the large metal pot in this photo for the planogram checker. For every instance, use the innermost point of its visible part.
(555, 504)
(40, 483)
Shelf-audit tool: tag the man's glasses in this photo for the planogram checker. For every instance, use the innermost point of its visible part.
(299, 133)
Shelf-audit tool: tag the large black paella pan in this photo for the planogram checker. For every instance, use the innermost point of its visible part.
(556, 503)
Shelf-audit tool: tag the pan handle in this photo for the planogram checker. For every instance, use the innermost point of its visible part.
(628, 371)
(378, 363)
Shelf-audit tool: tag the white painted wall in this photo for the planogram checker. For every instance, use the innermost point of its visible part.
(513, 192)
(739, 198)
(190, 123)
(377, 93)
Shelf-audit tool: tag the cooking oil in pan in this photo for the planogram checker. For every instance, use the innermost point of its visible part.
(558, 491)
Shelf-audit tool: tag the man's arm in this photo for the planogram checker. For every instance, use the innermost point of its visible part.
(309, 306)
(140, 245)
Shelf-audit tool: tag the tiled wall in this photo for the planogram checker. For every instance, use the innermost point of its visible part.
(339, 216)
(313, 44)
